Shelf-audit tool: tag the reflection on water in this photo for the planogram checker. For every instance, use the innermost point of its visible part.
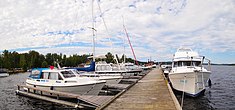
(220, 96)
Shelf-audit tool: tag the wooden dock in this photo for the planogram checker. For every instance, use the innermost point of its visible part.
(151, 92)
(90, 100)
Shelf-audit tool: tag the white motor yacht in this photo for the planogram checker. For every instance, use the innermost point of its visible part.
(131, 68)
(109, 68)
(109, 78)
(188, 74)
(65, 81)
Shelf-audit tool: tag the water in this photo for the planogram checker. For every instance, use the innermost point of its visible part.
(221, 96)
(10, 101)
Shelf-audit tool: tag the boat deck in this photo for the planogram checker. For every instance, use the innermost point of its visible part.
(151, 92)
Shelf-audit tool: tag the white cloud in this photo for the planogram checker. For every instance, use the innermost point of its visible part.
(156, 28)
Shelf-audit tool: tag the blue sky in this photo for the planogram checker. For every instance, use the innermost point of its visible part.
(156, 27)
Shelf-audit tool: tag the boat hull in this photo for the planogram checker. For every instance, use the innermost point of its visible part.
(192, 83)
(89, 89)
(4, 74)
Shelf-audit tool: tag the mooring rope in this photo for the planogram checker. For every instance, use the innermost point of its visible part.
(182, 99)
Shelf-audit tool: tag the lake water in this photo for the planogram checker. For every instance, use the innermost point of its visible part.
(221, 96)
(10, 101)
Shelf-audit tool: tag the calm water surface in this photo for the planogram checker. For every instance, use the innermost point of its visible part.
(10, 101)
(221, 96)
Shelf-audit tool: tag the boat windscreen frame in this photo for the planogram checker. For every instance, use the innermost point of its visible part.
(70, 75)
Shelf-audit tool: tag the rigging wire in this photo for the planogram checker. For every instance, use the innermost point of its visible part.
(105, 25)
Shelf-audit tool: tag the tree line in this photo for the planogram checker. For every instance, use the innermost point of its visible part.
(34, 59)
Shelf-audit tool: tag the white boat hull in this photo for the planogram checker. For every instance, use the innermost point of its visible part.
(192, 83)
(4, 74)
(89, 89)
(109, 78)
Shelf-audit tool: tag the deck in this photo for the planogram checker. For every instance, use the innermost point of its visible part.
(151, 92)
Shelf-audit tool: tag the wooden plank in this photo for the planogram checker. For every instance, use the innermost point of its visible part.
(99, 100)
(151, 92)
(117, 86)
(49, 99)
(64, 94)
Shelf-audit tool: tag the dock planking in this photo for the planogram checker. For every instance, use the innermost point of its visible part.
(151, 92)
(91, 100)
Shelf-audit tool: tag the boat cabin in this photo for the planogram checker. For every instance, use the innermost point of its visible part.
(45, 73)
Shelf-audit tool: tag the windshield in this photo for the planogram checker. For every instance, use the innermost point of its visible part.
(187, 63)
(68, 74)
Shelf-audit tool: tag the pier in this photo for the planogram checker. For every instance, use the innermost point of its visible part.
(151, 92)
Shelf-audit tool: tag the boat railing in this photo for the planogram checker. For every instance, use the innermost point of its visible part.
(209, 64)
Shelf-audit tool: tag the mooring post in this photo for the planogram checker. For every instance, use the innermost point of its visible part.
(18, 87)
(34, 91)
(57, 97)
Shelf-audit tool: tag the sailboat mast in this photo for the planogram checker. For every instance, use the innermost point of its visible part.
(130, 45)
(93, 30)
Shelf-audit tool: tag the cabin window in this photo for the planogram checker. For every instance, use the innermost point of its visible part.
(51, 75)
(98, 68)
(45, 75)
(186, 63)
(35, 73)
(68, 74)
(175, 64)
(196, 63)
(54, 76)
(180, 64)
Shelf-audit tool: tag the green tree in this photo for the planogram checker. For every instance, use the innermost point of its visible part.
(109, 58)
(44, 64)
(6, 59)
(22, 62)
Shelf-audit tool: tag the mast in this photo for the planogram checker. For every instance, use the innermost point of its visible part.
(130, 44)
(93, 30)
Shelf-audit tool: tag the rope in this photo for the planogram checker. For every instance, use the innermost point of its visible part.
(182, 99)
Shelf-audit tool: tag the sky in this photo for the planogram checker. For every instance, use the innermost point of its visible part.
(156, 27)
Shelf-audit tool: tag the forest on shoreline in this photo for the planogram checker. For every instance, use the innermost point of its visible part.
(34, 59)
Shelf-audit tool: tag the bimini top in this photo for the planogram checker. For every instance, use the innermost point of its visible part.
(186, 54)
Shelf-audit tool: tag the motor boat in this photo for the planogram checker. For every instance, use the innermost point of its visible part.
(109, 78)
(3, 73)
(64, 80)
(131, 68)
(90, 67)
(188, 75)
(109, 68)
